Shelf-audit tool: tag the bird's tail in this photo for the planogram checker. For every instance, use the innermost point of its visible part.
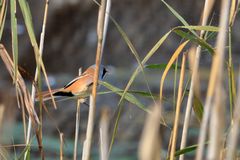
(46, 95)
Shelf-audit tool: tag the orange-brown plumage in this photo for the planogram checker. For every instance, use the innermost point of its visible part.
(80, 86)
(81, 83)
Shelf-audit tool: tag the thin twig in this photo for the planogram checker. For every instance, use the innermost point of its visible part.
(77, 124)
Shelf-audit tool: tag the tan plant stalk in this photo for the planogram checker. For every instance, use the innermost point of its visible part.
(217, 118)
(149, 146)
(61, 146)
(178, 107)
(233, 11)
(92, 107)
(217, 124)
(104, 135)
(233, 136)
(194, 79)
(2, 107)
(190, 99)
(2, 12)
(214, 81)
(77, 123)
(106, 20)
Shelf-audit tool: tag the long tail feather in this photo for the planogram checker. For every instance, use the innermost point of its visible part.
(45, 95)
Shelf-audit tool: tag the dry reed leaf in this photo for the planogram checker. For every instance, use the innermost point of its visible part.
(171, 61)
(149, 146)
(22, 91)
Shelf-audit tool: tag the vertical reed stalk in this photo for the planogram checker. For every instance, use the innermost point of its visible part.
(235, 115)
(231, 77)
(190, 100)
(92, 107)
(214, 83)
(178, 107)
(217, 123)
(233, 136)
(77, 124)
(2, 107)
(194, 82)
(106, 20)
(231, 86)
(104, 135)
(217, 119)
(61, 146)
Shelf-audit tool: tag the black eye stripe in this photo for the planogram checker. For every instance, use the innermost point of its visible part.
(104, 72)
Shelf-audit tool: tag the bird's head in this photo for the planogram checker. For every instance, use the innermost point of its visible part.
(102, 71)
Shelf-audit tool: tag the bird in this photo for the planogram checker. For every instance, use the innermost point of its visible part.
(80, 86)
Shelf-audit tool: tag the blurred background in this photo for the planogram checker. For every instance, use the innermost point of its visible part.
(70, 43)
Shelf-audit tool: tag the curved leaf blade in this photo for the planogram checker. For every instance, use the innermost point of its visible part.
(200, 28)
(14, 37)
(129, 97)
(161, 66)
(171, 61)
(195, 39)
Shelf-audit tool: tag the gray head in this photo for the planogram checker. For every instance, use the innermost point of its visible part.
(102, 71)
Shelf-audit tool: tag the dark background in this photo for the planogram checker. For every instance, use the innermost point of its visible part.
(70, 43)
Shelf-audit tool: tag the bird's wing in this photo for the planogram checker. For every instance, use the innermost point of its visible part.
(79, 84)
(74, 80)
(88, 73)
